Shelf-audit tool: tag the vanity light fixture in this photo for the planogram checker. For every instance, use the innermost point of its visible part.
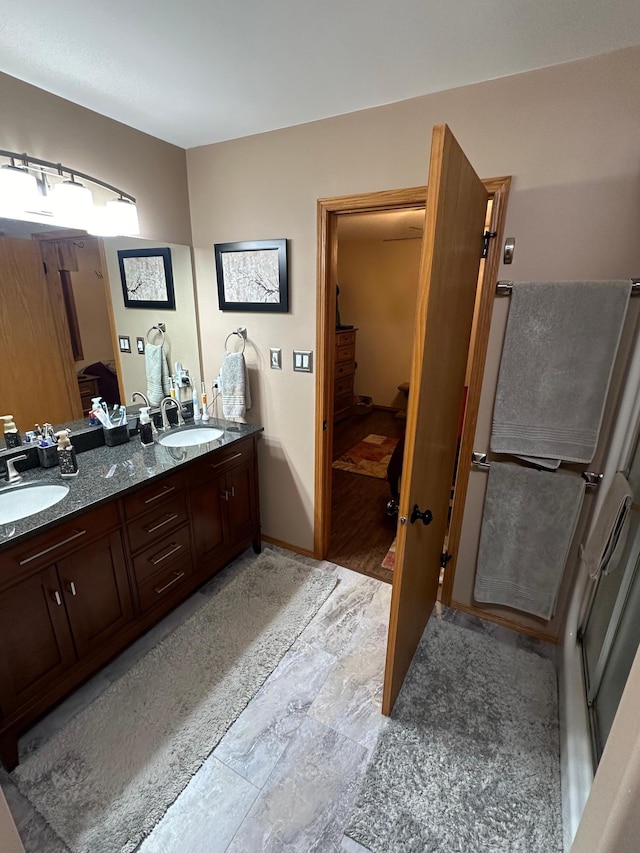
(31, 188)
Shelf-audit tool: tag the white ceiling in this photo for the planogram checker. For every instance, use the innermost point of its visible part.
(201, 71)
(382, 225)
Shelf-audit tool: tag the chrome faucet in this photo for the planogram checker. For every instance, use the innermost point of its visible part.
(12, 474)
(142, 397)
(163, 410)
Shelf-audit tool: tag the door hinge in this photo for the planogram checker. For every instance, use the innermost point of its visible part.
(488, 235)
(444, 559)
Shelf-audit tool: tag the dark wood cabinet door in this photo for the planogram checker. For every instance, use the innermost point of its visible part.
(207, 519)
(240, 491)
(36, 647)
(96, 591)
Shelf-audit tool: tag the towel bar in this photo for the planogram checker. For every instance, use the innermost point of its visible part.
(479, 460)
(504, 288)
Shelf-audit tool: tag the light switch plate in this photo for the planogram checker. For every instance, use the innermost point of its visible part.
(303, 360)
(276, 358)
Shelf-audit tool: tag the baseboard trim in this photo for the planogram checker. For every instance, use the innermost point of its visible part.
(296, 548)
(387, 408)
(506, 623)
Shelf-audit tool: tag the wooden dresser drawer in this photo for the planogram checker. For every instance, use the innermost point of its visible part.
(344, 369)
(154, 494)
(345, 339)
(345, 354)
(343, 385)
(164, 585)
(152, 526)
(48, 547)
(210, 466)
(164, 554)
(342, 404)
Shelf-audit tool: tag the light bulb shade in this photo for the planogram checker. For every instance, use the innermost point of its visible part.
(123, 215)
(18, 192)
(72, 205)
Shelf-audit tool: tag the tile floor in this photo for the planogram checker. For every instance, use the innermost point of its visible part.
(285, 775)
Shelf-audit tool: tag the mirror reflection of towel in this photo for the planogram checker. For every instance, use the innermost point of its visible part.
(157, 368)
(234, 386)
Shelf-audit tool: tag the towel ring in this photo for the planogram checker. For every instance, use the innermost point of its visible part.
(159, 331)
(242, 338)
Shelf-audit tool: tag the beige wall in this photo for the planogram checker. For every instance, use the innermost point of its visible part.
(51, 128)
(181, 339)
(90, 297)
(568, 135)
(378, 283)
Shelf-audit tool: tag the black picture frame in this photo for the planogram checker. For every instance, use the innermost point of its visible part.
(236, 263)
(130, 276)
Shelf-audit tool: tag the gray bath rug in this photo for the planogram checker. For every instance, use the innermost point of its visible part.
(469, 760)
(105, 779)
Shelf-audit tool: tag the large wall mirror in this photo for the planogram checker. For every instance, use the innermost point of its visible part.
(65, 322)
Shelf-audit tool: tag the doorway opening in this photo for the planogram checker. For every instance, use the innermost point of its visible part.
(351, 525)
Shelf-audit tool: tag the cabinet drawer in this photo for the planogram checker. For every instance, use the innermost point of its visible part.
(152, 526)
(344, 369)
(45, 549)
(343, 386)
(345, 353)
(344, 339)
(164, 554)
(343, 403)
(219, 461)
(154, 494)
(164, 585)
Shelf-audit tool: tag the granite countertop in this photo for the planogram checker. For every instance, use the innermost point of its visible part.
(109, 472)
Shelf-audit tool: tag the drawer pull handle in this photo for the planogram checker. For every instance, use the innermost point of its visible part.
(224, 461)
(173, 548)
(177, 577)
(57, 599)
(161, 494)
(76, 535)
(168, 518)
(72, 588)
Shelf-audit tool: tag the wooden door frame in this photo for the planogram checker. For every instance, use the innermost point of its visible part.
(329, 209)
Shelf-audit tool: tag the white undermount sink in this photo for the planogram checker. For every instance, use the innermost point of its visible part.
(191, 437)
(20, 501)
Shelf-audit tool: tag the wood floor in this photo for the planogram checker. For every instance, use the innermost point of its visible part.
(361, 530)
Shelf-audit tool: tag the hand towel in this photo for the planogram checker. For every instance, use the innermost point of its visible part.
(157, 369)
(234, 386)
(528, 523)
(596, 556)
(558, 356)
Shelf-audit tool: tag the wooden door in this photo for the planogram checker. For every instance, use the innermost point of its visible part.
(33, 336)
(96, 591)
(207, 524)
(451, 251)
(240, 501)
(36, 646)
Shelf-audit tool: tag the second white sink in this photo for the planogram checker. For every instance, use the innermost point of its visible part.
(191, 437)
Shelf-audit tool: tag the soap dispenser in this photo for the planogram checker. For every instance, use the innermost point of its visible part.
(66, 455)
(12, 437)
(146, 429)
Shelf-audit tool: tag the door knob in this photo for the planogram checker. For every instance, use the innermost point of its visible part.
(426, 516)
(392, 507)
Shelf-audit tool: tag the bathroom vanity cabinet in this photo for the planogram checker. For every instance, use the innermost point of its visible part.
(75, 595)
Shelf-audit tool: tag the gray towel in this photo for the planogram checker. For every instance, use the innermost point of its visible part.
(234, 386)
(560, 346)
(157, 369)
(528, 523)
(607, 534)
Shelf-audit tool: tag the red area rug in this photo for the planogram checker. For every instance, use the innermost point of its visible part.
(369, 457)
(389, 561)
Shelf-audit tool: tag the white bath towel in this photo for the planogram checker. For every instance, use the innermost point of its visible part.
(234, 386)
(607, 536)
(157, 368)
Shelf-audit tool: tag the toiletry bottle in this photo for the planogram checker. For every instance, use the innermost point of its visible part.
(196, 406)
(146, 430)
(11, 435)
(205, 411)
(66, 455)
(95, 404)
